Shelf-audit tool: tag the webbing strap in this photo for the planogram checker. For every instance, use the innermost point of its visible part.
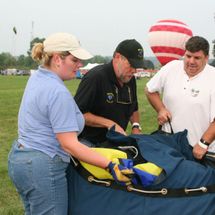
(137, 189)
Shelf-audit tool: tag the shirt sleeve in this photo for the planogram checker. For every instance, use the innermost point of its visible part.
(63, 113)
(156, 84)
(86, 93)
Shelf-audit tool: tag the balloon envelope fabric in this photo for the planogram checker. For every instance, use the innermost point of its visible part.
(167, 39)
(174, 155)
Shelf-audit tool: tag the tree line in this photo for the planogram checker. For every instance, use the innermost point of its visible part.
(25, 62)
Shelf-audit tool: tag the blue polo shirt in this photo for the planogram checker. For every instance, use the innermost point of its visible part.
(47, 108)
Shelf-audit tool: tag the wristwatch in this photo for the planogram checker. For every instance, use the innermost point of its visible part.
(136, 125)
(202, 143)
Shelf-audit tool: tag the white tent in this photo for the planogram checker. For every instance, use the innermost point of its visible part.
(89, 66)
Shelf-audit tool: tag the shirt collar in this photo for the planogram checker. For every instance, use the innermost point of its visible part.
(50, 74)
(199, 74)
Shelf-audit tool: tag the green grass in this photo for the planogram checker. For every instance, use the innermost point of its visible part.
(11, 90)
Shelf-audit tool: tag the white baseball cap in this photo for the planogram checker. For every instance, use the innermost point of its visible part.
(59, 42)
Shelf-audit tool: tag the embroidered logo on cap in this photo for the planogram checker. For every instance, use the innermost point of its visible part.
(140, 53)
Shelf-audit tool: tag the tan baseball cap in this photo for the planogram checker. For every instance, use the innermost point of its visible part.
(65, 42)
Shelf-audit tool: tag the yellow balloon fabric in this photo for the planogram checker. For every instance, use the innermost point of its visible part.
(111, 154)
(150, 168)
(114, 155)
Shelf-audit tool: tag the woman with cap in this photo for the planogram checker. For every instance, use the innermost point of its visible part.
(49, 122)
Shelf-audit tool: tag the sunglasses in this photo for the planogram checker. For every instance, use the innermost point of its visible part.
(124, 95)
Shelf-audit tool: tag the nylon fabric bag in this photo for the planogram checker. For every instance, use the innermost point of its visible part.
(184, 181)
(160, 131)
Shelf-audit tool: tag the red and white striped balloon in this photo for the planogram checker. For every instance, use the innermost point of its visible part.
(167, 39)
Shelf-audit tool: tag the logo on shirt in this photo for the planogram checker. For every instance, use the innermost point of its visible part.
(194, 92)
(110, 98)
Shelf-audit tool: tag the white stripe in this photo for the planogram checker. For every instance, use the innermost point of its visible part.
(167, 55)
(165, 38)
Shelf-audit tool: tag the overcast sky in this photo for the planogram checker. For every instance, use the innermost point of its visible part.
(99, 24)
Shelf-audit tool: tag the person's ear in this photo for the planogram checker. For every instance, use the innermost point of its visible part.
(207, 58)
(56, 59)
(117, 55)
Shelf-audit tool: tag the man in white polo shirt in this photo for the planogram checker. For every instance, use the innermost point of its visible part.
(188, 96)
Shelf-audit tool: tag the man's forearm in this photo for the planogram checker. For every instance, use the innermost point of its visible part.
(155, 100)
(135, 121)
(135, 117)
(209, 135)
(200, 149)
(97, 121)
(101, 122)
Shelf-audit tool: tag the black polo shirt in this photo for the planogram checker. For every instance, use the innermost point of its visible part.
(100, 93)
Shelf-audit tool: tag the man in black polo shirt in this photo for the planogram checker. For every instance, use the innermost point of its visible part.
(107, 94)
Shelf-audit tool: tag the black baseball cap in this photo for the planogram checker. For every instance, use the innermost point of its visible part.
(133, 51)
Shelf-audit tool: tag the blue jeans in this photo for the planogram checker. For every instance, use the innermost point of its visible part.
(40, 180)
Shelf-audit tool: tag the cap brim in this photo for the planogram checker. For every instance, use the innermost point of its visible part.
(81, 54)
(136, 63)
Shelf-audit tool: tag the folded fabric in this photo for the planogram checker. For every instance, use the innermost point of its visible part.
(121, 174)
(111, 154)
(145, 173)
(150, 168)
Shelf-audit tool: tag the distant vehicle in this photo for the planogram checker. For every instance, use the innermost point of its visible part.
(4, 72)
(26, 72)
(23, 72)
(20, 72)
(14, 72)
(32, 71)
(142, 73)
(11, 71)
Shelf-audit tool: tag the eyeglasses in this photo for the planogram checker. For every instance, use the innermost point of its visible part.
(124, 95)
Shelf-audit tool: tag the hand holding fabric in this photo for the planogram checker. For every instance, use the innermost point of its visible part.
(121, 174)
(118, 128)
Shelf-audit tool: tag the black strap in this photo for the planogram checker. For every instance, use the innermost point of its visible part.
(170, 125)
(139, 190)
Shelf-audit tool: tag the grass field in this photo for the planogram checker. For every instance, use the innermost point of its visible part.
(11, 90)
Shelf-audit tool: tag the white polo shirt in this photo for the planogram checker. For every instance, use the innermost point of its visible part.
(191, 101)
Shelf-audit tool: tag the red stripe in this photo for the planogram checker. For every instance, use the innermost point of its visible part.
(166, 49)
(172, 21)
(165, 60)
(170, 28)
